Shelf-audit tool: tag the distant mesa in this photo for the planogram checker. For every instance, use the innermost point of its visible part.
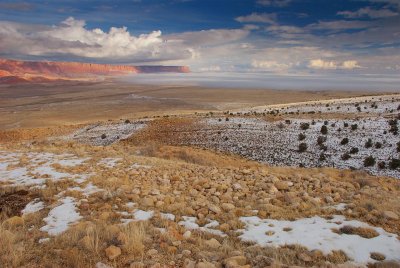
(15, 71)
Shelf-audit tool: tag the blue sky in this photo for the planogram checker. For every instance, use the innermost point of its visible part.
(302, 37)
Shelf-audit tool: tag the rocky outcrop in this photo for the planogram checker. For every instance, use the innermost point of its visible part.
(29, 70)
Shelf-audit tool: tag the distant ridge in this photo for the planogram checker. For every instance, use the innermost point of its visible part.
(16, 71)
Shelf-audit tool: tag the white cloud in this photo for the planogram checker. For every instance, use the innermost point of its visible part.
(333, 65)
(278, 3)
(350, 65)
(214, 68)
(338, 25)
(72, 38)
(270, 65)
(368, 12)
(254, 17)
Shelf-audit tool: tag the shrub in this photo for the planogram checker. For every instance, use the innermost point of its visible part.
(287, 122)
(302, 136)
(382, 165)
(321, 140)
(369, 161)
(398, 146)
(303, 147)
(304, 126)
(324, 130)
(326, 123)
(344, 141)
(103, 136)
(346, 156)
(394, 163)
(368, 143)
(345, 124)
(354, 127)
(354, 150)
(378, 145)
(227, 119)
(127, 121)
(322, 157)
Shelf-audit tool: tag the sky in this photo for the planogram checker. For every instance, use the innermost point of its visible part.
(275, 37)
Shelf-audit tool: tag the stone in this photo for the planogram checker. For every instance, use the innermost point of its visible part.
(187, 234)
(152, 252)
(112, 252)
(148, 202)
(213, 243)
(136, 264)
(205, 264)
(390, 215)
(102, 265)
(235, 261)
(187, 263)
(186, 252)
(282, 185)
(214, 209)
(227, 206)
(304, 257)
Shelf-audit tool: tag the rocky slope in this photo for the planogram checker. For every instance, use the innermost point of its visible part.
(12, 70)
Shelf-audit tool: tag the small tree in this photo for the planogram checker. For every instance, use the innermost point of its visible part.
(302, 147)
(322, 157)
(369, 161)
(321, 140)
(103, 136)
(394, 163)
(346, 156)
(354, 150)
(354, 127)
(378, 145)
(344, 141)
(304, 126)
(368, 143)
(398, 147)
(324, 130)
(381, 165)
(302, 136)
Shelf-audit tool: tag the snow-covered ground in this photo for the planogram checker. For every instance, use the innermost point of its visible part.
(33, 169)
(105, 133)
(316, 233)
(277, 142)
(61, 217)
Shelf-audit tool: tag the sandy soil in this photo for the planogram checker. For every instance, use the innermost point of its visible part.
(42, 105)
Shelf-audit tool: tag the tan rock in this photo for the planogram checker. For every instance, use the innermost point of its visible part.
(235, 261)
(227, 206)
(187, 234)
(136, 265)
(214, 209)
(390, 215)
(282, 185)
(187, 263)
(213, 243)
(205, 264)
(112, 252)
(148, 202)
(152, 252)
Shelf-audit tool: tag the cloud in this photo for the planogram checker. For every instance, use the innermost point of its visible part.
(332, 65)
(208, 37)
(368, 12)
(17, 6)
(339, 25)
(270, 65)
(269, 18)
(72, 39)
(278, 3)
(214, 68)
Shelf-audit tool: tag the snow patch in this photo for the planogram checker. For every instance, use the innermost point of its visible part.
(33, 207)
(61, 217)
(316, 233)
(190, 224)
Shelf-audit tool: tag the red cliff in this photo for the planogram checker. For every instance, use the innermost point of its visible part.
(29, 70)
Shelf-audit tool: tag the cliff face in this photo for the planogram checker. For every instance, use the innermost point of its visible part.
(29, 70)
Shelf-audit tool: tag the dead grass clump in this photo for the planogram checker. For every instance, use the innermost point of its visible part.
(337, 256)
(150, 149)
(361, 231)
(132, 238)
(11, 249)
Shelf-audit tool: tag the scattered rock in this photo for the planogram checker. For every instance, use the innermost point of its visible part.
(390, 215)
(112, 252)
(213, 243)
(102, 265)
(152, 252)
(282, 185)
(235, 261)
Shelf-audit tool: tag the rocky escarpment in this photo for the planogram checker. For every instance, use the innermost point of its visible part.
(31, 70)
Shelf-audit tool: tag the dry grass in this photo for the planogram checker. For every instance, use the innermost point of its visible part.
(361, 231)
